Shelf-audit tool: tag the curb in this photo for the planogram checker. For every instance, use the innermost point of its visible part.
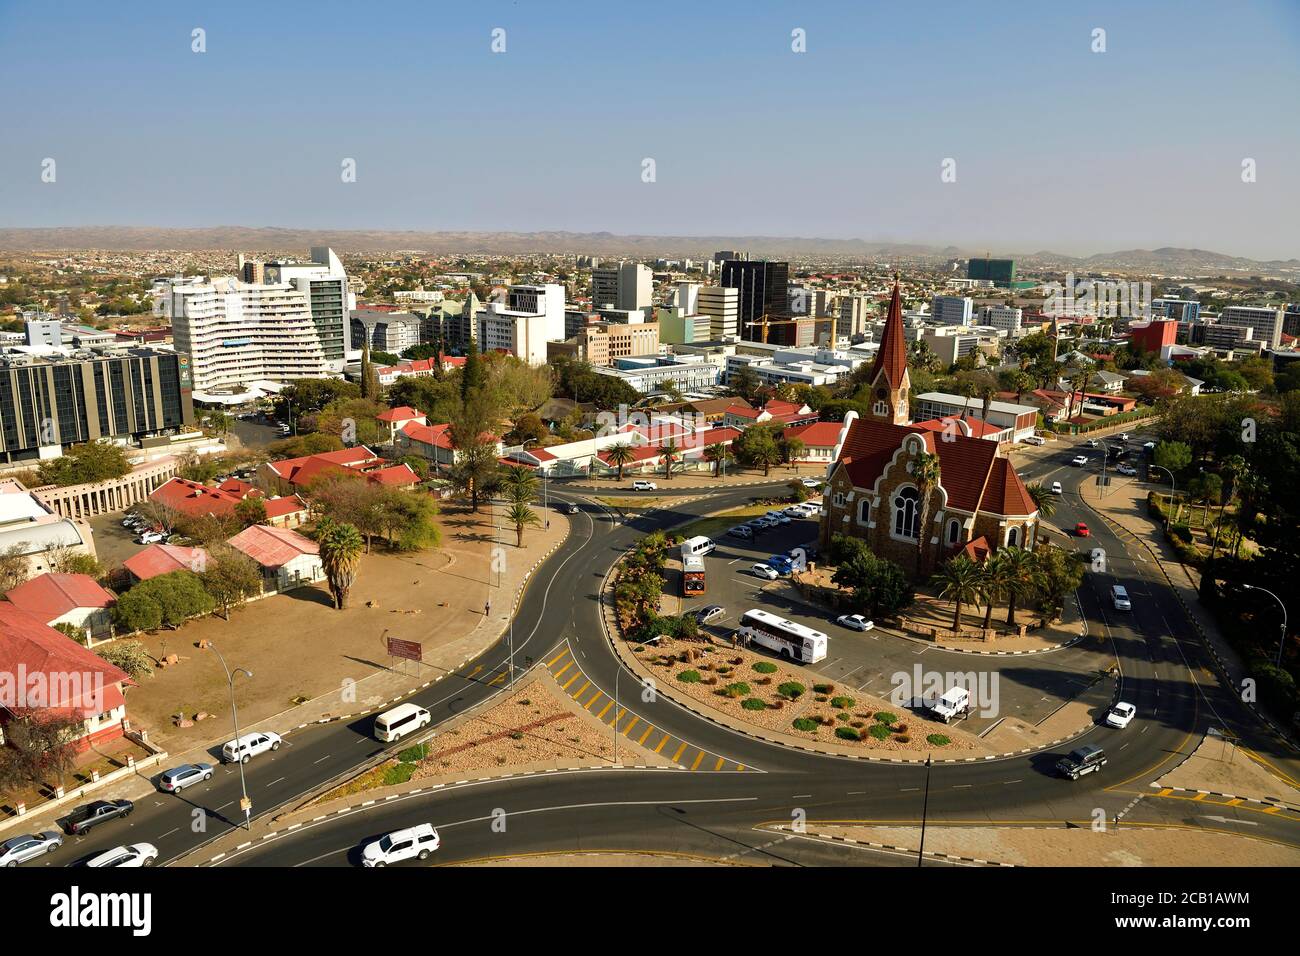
(1275, 802)
(905, 849)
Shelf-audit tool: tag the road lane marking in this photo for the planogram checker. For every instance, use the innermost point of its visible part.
(677, 756)
(661, 743)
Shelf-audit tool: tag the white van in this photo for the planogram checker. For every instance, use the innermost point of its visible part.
(401, 720)
(697, 547)
(1119, 597)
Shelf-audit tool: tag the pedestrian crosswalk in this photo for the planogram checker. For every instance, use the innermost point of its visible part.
(631, 726)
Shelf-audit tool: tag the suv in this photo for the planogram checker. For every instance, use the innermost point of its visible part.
(1034, 440)
(1082, 760)
(178, 778)
(250, 745)
(83, 819)
(644, 486)
(1078, 461)
(416, 842)
(1119, 597)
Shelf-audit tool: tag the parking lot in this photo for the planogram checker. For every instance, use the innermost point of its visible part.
(1031, 687)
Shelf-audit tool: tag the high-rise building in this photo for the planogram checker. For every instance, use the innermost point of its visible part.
(762, 286)
(1002, 317)
(1291, 320)
(1001, 272)
(855, 312)
(1265, 320)
(722, 306)
(952, 309)
(621, 285)
(237, 333)
(49, 401)
(531, 316)
(1181, 310)
(386, 331)
(325, 283)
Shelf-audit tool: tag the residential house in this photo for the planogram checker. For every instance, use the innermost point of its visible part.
(164, 559)
(288, 560)
(75, 599)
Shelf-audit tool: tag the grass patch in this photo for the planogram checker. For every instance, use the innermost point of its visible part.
(803, 723)
(764, 667)
(938, 740)
(753, 703)
(689, 677)
(847, 733)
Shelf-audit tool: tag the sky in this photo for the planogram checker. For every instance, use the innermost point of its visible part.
(1054, 146)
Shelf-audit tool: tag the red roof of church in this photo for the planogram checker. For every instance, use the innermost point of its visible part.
(892, 354)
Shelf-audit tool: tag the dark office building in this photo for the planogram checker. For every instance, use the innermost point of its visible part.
(1001, 272)
(1291, 320)
(763, 291)
(60, 400)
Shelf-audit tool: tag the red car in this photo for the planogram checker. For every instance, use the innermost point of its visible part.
(1081, 530)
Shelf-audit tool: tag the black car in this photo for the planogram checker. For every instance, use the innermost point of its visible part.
(83, 819)
(1081, 760)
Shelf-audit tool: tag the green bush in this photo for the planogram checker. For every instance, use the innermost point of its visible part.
(824, 688)
(886, 718)
(738, 689)
(765, 667)
(753, 703)
(842, 716)
(938, 740)
(791, 689)
(414, 754)
(398, 773)
(803, 723)
(847, 733)
(843, 702)
(880, 732)
(689, 677)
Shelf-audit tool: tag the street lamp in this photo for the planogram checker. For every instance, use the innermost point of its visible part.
(618, 673)
(1281, 645)
(244, 803)
(1173, 483)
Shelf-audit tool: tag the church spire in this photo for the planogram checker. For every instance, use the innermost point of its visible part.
(889, 378)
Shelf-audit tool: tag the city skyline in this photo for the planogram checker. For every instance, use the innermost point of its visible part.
(1056, 147)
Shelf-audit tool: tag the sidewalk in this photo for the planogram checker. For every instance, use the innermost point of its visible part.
(457, 641)
(693, 480)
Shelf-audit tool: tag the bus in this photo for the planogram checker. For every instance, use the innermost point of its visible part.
(792, 641)
(692, 575)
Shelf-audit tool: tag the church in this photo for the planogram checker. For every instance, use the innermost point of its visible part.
(977, 505)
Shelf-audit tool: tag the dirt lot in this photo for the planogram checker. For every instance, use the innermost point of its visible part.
(720, 666)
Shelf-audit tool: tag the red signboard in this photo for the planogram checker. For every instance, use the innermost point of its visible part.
(407, 650)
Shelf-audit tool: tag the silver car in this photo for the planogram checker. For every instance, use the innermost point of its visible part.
(20, 849)
(178, 778)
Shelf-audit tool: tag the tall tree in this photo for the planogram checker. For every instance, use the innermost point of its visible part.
(669, 452)
(340, 553)
(1019, 572)
(927, 474)
(619, 455)
(521, 515)
(959, 582)
(716, 453)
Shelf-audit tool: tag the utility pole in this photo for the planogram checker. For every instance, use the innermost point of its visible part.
(245, 804)
(925, 807)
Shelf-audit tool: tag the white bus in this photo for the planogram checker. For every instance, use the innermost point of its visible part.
(792, 641)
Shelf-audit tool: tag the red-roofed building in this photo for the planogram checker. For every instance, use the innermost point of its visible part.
(295, 475)
(394, 419)
(164, 559)
(74, 599)
(51, 674)
(775, 412)
(288, 560)
(873, 494)
(820, 439)
(433, 443)
(970, 426)
(286, 511)
(194, 499)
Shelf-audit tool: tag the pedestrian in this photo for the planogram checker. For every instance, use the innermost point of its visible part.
(487, 607)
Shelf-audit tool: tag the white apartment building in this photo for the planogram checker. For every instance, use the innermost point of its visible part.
(325, 283)
(621, 285)
(1266, 321)
(385, 331)
(723, 307)
(952, 309)
(1002, 317)
(237, 333)
(855, 312)
(531, 316)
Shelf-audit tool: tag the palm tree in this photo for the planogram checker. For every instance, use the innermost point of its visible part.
(340, 549)
(520, 484)
(959, 582)
(669, 452)
(1044, 499)
(1020, 577)
(619, 455)
(992, 579)
(716, 453)
(520, 515)
(927, 475)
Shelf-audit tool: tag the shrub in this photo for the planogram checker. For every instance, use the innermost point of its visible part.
(903, 739)
(885, 717)
(843, 702)
(857, 723)
(880, 732)
(803, 723)
(824, 688)
(689, 677)
(847, 733)
(938, 740)
(398, 773)
(738, 689)
(791, 689)
(414, 754)
(128, 656)
(821, 698)
(843, 717)
(765, 667)
(753, 703)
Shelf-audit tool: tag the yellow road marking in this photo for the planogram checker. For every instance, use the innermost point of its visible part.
(632, 723)
(571, 680)
(698, 757)
(677, 756)
(1233, 802)
(740, 766)
(551, 662)
(497, 680)
(601, 715)
(718, 765)
(661, 744)
(649, 728)
(594, 697)
(618, 716)
(560, 672)
(1165, 792)
(1199, 797)
(470, 675)
(578, 693)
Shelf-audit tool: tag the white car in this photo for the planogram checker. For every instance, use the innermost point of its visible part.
(1034, 440)
(810, 482)
(644, 486)
(414, 843)
(1121, 715)
(1092, 443)
(244, 748)
(135, 855)
(1127, 470)
(150, 537)
(1125, 436)
(764, 571)
(1078, 461)
(795, 511)
(20, 849)
(855, 622)
(1056, 488)
(777, 517)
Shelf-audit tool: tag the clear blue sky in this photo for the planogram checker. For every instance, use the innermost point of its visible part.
(1057, 147)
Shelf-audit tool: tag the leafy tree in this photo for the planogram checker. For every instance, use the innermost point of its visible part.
(1019, 576)
(167, 600)
(340, 553)
(718, 454)
(792, 449)
(1059, 574)
(309, 395)
(880, 587)
(251, 511)
(1173, 455)
(231, 577)
(959, 581)
(408, 520)
(1044, 500)
(744, 383)
(926, 474)
(758, 446)
(14, 568)
(95, 461)
(619, 455)
(40, 746)
(137, 610)
(130, 657)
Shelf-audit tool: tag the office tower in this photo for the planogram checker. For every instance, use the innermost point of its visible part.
(43, 331)
(1001, 272)
(325, 283)
(952, 309)
(762, 286)
(1291, 320)
(720, 257)
(1265, 320)
(621, 285)
(688, 297)
(1002, 317)
(237, 333)
(531, 316)
(1182, 310)
(855, 312)
(48, 402)
(723, 308)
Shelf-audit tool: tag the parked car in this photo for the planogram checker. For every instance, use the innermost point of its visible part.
(1081, 530)
(741, 531)
(1126, 470)
(1081, 760)
(777, 517)
(1078, 461)
(711, 613)
(644, 486)
(1125, 436)
(413, 843)
(760, 524)
(1149, 446)
(20, 849)
(795, 511)
(150, 537)
(134, 855)
(85, 818)
(1034, 440)
(764, 571)
(855, 622)
(810, 482)
(1121, 715)
(1092, 443)
(249, 745)
(178, 778)
(1056, 488)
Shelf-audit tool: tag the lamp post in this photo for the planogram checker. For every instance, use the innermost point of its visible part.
(1173, 483)
(1281, 644)
(244, 803)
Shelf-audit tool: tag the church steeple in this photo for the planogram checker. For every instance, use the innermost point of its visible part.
(890, 380)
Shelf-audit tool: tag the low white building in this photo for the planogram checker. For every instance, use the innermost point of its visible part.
(287, 559)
